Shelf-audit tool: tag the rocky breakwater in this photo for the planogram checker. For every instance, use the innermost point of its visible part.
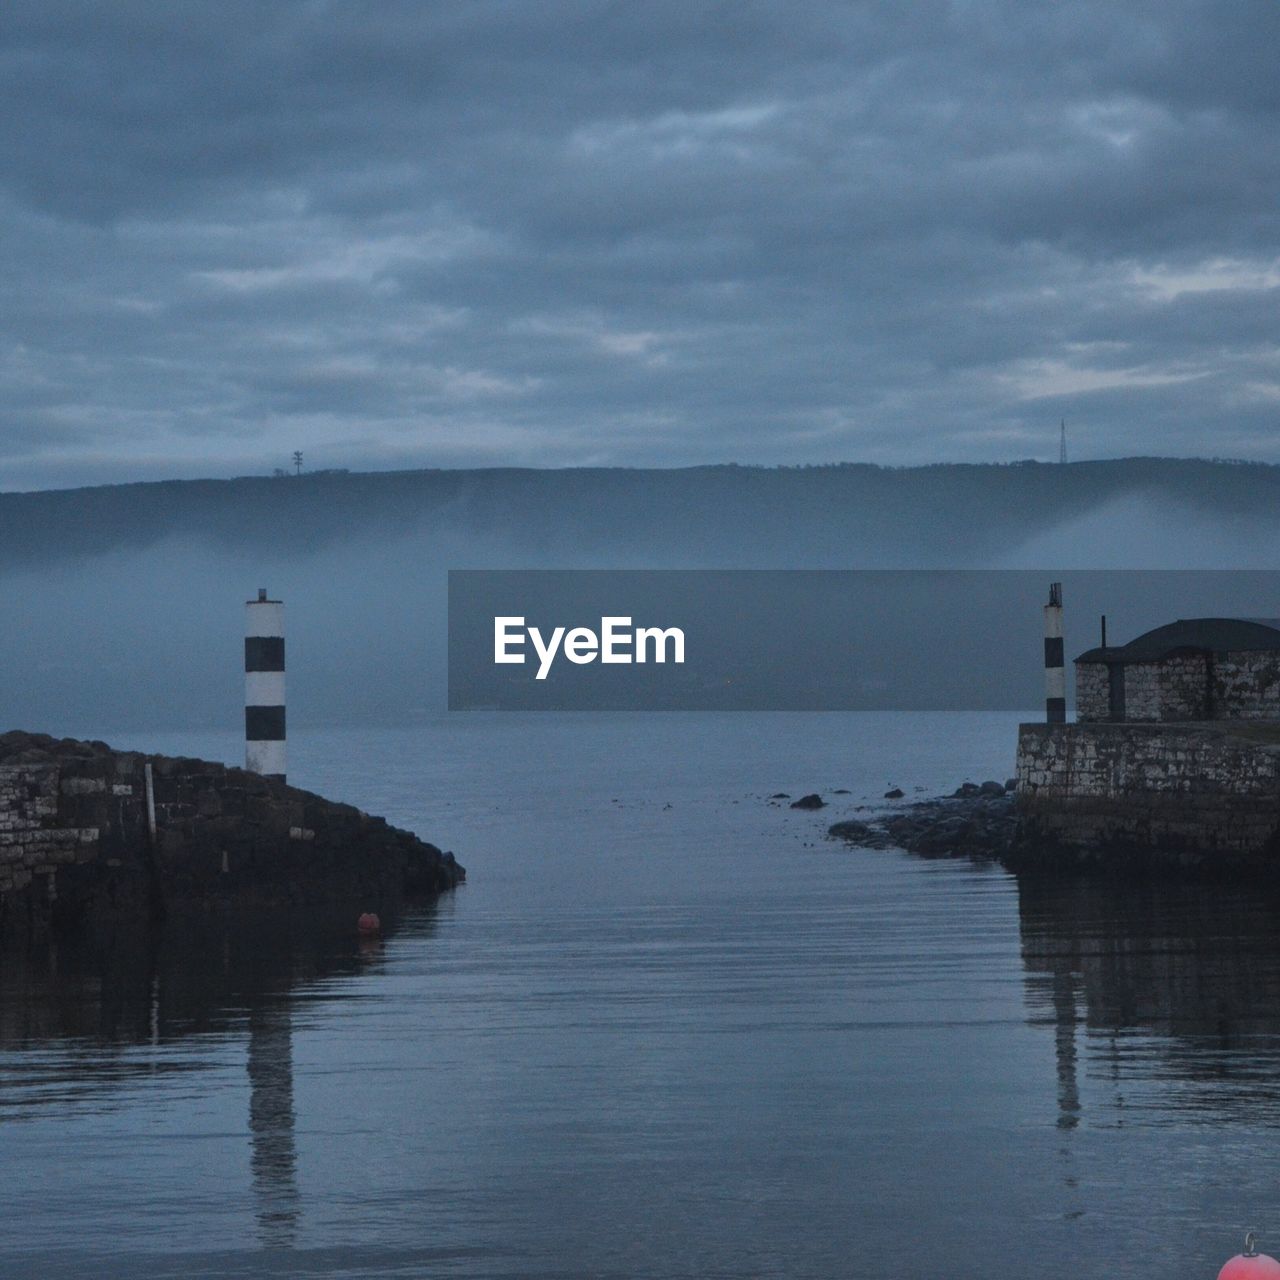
(77, 839)
(979, 820)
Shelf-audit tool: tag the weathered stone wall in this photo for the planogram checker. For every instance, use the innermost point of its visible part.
(1093, 692)
(1184, 688)
(32, 843)
(1142, 691)
(1191, 686)
(74, 835)
(1246, 686)
(1186, 792)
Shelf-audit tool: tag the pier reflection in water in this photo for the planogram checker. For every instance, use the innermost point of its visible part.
(667, 1030)
(92, 1003)
(1175, 988)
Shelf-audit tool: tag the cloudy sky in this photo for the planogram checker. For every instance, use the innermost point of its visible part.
(648, 232)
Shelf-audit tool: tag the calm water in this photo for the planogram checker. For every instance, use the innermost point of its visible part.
(665, 1030)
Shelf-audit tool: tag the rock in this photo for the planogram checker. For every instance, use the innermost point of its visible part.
(780, 795)
(894, 794)
(813, 801)
(992, 788)
(966, 789)
(1011, 784)
(858, 833)
(976, 825)
(841, 791)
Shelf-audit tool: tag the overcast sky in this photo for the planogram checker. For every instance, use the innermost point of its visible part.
(651, 232)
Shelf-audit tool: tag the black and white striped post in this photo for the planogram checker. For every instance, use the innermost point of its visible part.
(1055, 670)
(264, 686)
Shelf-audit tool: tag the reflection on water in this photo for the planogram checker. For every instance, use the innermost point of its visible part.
(666, 1030)
(189, 976)
(80, 1008)
(1175, 983)
(271, 1124)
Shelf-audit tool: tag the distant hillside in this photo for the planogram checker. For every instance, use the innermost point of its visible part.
(728, 515)
(123, 605)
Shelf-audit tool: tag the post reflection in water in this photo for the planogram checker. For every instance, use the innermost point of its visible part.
(1176, 987)
(271, 1119)
(492, 1107)
(95, 1002)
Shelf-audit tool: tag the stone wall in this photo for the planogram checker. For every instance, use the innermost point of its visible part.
(1184, 688)
(1093, 692)
(1142, 691)
(1188, 686)
(1176, 688)
(32, 841)
(1246, 686)
(1182, 793)
(74, 837)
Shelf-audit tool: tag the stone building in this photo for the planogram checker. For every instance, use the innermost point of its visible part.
(1193, 669)
(1173, 760)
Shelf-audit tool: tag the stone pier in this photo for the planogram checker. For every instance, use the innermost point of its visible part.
(1199, 793)
(76, 838)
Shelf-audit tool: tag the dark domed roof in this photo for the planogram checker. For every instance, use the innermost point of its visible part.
(1196, 635)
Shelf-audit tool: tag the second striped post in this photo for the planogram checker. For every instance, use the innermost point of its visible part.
(1055, 671)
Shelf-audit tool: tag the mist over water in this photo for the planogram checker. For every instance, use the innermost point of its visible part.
(146, 632)
(1142, 532)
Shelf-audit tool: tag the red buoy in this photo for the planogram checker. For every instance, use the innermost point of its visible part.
(1250, 1265)
(369, 924)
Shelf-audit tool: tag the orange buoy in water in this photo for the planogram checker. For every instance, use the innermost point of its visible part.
(369, 924)
(1250, 1265)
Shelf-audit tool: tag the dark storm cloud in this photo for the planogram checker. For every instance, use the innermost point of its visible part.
(399, 234)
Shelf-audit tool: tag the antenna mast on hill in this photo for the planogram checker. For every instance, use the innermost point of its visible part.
(1062, 442)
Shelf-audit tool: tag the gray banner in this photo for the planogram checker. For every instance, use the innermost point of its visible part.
(800, 640)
